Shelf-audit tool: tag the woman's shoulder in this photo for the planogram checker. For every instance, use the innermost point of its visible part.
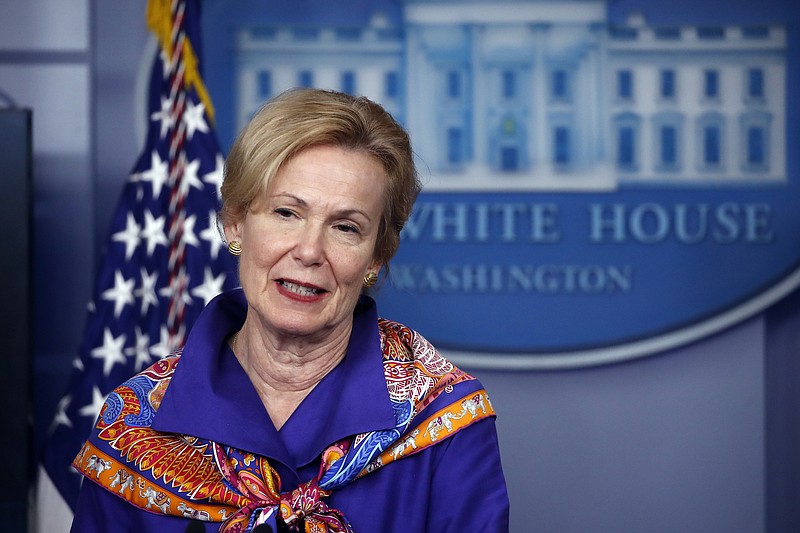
(126, 418)
(416, 370)
(146, 389)
(403, 345)
(136, 400)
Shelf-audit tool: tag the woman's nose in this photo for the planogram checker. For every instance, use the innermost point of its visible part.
(310, 245)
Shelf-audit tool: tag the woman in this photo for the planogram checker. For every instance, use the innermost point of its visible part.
(291, 403)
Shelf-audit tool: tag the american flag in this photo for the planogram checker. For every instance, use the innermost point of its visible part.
(164, 259)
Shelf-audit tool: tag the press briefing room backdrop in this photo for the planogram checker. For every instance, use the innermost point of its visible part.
(609, 237)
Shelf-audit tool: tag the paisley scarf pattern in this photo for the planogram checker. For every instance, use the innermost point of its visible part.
(196, 478)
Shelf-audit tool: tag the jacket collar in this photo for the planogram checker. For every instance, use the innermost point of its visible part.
(210, 395)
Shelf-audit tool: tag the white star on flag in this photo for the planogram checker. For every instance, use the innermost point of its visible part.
(141, 350)
(61, 413)
(216, 176)
(162, 349)
(153, 232)
(166, 63)
(193, 118)
(182, 286)
(111, 351)
(93, 409)
(147, 290)
(157, 174)
(129, 236)
(190, 178)
(121, 293)
(188, 231)
(210, 287)
(211, 235)
(165, 116)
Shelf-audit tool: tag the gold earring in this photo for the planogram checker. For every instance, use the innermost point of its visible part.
(235, 248)
(370, 279)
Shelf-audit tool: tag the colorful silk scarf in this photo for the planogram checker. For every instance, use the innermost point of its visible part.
(196, 478)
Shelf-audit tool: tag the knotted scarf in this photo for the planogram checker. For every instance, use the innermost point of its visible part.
(197, 478)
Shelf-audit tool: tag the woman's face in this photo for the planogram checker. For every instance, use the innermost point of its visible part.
(307, 245)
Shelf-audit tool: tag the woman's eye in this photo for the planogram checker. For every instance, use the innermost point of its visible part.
(347, 228)
(284, 213)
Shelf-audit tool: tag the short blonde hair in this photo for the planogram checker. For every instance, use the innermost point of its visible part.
(301, 118)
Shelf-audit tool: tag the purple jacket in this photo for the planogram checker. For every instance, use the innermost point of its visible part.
(454, 486)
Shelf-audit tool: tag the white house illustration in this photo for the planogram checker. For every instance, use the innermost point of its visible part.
(546, 94)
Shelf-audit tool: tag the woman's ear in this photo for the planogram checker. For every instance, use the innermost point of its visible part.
(232, 226)
(232, 231)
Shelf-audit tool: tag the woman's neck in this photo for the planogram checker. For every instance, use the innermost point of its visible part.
(285, 370)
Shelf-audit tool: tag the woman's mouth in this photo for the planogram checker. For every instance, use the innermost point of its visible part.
(301, 290)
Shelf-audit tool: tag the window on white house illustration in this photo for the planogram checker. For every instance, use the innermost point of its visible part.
(711, 84)
(626, 147)
(560, 87)
(392, 85)
(627, 127)
(755, 83)
(667, 84)
(710, 131)
(668, 149)
(756, 148)
(455, 153)
(755, 141)
(668, 138)
(624, 84)
(509, 158)
(712, 146)
(509, 81)
(264, 84)
(348, 82)
(453, 84)
(561, 146)
(305, 78)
